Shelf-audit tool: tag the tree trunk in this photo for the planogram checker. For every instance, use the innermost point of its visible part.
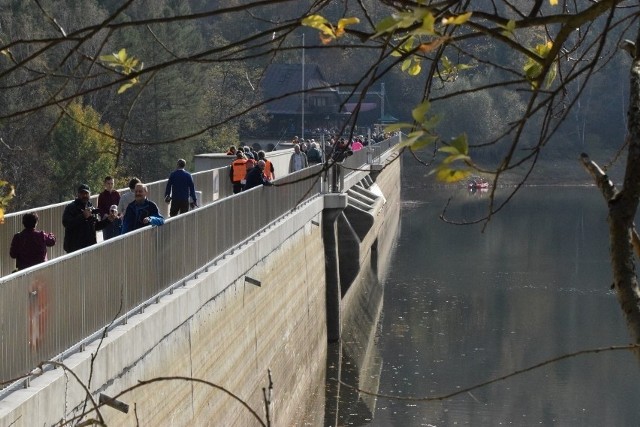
(623, 206)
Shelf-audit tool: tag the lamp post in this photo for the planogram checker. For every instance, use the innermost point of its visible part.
(303, 91)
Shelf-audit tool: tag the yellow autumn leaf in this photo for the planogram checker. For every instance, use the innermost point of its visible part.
(347, 21)
(553, 2)
(457, 20)
(415, 69)
(7, 192)
(319, 23)
(446, 174)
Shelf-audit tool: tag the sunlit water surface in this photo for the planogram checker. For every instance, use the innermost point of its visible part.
(462, 307)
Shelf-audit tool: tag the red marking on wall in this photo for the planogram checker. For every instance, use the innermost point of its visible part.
(37, 313)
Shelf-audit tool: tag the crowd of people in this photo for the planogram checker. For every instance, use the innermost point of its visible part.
(114, 215)
(117, 213)
(249, 169)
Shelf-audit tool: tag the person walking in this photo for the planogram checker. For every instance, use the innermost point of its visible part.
(179, 188)
(237, 172)
(298, 160)
(29, 247)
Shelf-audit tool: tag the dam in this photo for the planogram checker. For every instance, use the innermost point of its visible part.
(224, 315)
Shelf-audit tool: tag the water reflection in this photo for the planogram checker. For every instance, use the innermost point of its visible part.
(462, 307)
(355, 359)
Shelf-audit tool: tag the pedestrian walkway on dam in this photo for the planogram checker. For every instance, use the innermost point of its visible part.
(72, 296)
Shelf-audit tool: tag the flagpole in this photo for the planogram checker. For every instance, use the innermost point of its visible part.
(303, 89)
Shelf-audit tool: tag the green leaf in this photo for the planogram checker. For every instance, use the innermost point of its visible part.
(431, 122)
(414, 70)
(416, 134)
(420, 111)
(397, 126)
(449, 150)
(107, 58)
(453, 158)
(388, 24)
(446, 174)
(461, 144)
(408, 44)
(428, 24)
(407, 142)
(423, 142)
(551, 75)
(509, 28)
(406, 64)
(126, 86)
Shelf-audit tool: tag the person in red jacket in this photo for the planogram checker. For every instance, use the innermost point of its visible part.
(29, 247)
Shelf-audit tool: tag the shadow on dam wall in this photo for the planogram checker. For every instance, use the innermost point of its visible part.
(354, 359)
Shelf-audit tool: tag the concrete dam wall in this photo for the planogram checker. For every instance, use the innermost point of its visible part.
(264, 312)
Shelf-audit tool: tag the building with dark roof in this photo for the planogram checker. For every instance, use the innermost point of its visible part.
(282, 86)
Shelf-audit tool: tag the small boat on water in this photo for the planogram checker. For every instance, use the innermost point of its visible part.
(478, 182)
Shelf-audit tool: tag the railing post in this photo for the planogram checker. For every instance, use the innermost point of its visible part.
(336, 178)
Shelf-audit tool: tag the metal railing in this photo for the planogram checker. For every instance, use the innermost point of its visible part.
(50, 217)
(48, 308)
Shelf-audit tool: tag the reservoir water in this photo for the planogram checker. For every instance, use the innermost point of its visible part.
(462, 306)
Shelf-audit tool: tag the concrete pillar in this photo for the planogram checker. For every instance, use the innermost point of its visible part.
(375, 171)
(334, 204)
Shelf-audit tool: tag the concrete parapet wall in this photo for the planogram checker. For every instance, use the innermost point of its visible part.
(218, 328)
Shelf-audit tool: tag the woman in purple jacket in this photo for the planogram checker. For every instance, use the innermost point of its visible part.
(29, 247)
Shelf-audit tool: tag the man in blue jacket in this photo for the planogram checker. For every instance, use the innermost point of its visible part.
(141, 212)
(179, 187)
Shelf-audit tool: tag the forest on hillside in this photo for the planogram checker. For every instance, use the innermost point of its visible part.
(65, 118)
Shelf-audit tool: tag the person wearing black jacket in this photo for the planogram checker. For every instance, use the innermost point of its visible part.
(255, 176)
(81, 220)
